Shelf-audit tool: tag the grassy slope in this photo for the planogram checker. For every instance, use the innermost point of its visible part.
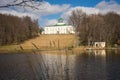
(50, 41)
(44, 42)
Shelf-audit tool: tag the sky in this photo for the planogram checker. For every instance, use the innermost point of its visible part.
(51, 10)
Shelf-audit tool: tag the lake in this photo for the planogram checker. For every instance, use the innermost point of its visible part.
(90, 65)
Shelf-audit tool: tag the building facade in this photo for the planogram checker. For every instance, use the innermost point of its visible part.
(59, 28)
(99, 44)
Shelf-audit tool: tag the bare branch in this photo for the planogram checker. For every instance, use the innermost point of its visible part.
(26, 3)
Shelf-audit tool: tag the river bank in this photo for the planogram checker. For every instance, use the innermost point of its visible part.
(49, 43)
(19, 49)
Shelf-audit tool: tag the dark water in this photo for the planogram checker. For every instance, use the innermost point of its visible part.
(95, 65)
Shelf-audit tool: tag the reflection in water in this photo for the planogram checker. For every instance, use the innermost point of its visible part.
(94, 65)
(113, 65)
(100, 52)
(60, 66)
(16, 67)
(97, 52)
(91, 66)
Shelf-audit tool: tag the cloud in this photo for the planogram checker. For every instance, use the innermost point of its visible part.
(110, 6)
(4, 2)
(101, 8)
(19, 14)
(43, 10)
(50, 22)
(87, 10)
(47, 9)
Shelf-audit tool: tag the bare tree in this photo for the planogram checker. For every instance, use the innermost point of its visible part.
(76, 18)
(14, 29)
(96, 28)
(24, 3)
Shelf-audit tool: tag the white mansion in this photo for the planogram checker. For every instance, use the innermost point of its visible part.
(59, 28)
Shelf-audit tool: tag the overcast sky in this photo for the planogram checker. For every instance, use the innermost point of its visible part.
(51, 10)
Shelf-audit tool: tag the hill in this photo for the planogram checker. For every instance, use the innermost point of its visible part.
(49, 41)
(43, 42)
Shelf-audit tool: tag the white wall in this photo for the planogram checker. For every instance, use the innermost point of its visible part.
(59, 30)
(99, 44)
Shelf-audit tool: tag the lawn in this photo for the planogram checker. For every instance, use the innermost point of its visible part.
(49, 41)
(43, 42)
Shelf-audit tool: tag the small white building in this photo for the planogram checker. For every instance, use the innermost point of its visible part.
(59, 28)
(99, 44)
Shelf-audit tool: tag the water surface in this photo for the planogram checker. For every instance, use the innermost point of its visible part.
(91, 65)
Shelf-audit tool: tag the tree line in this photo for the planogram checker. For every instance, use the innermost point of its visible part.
(14, 30)
(96, 27)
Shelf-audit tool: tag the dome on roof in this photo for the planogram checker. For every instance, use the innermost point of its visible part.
(60, 20)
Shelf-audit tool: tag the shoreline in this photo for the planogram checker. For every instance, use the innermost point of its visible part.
(80, 48)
